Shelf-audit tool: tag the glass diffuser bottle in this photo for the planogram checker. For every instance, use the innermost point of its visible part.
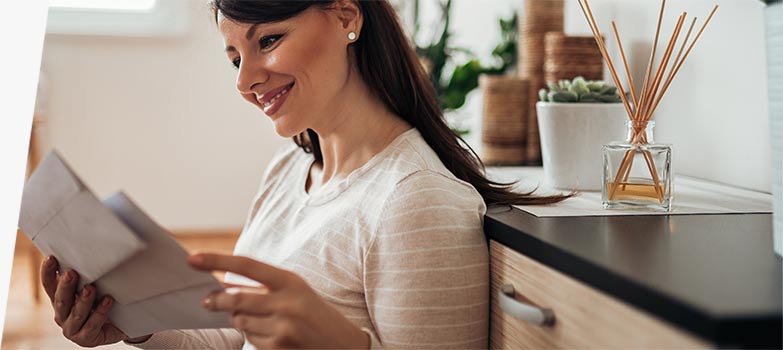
(637, 172)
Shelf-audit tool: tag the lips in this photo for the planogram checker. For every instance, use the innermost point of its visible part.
(266, 97)
(273, 100)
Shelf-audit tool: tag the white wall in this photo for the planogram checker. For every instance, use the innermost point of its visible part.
(159, 119)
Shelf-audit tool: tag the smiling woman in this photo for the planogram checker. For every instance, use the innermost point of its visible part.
(365, 233)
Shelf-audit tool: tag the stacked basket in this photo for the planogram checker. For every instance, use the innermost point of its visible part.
(566, 57)
(538, 18)
(503, 132)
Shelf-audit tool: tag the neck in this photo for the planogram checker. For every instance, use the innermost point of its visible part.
(360, 126)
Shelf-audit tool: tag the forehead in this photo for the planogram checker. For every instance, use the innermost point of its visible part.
(231, 28)
(309, 16)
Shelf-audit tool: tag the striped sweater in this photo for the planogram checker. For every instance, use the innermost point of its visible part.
(397, 247)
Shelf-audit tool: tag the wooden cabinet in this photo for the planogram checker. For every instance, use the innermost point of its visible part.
(585, 318)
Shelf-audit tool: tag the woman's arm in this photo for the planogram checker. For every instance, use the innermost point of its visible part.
(427, 269)
(223, 339)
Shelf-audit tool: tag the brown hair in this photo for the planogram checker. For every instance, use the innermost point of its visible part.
(389, 66)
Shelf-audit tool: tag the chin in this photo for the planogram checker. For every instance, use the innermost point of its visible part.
(285, 130)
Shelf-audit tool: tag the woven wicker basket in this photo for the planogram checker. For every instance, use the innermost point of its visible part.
(537, 18)
(503, 132)
(566, 57)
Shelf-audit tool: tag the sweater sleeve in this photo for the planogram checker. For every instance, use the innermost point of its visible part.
(427, 267)
(208, 339)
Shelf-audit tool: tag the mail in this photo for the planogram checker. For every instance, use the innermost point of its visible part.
(117, 247)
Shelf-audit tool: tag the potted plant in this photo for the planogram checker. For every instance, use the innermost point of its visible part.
(575, 119)
(453, 86)
(774, 33)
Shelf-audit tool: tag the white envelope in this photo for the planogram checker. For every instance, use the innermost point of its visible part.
(116, 246)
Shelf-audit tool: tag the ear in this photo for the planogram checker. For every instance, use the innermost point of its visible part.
(349, 13)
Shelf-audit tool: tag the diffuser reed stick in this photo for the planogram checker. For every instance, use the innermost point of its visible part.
(625, 63)
(657, 80)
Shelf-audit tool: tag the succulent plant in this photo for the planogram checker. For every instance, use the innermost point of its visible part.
(579, 90)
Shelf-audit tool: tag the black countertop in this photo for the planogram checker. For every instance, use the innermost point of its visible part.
(716, 276)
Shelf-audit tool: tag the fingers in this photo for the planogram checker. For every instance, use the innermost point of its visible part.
(49, 276)
(64, 296)
(245, 300)
(80, 311)
(96, 322)
(269, 275)
(227, 285)
(258, 326)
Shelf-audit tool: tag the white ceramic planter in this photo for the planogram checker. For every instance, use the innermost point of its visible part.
(774, 32)
(572, 135)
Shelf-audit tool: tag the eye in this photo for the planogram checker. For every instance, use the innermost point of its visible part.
(236, 62)
(270, 40)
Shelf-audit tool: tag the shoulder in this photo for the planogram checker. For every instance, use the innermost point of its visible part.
(417, 180)
(281, 168)
(430, 187)
(283, 159)
(428, 209)
(415, 169)
(430, 198)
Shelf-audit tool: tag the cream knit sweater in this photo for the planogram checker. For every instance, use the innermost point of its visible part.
(397, 247)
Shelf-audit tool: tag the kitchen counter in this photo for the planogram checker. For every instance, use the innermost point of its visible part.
(715, 276)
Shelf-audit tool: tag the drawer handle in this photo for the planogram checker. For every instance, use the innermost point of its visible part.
(525, 312)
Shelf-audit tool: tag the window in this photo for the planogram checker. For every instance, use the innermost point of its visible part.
(129, 5)
(141, 18)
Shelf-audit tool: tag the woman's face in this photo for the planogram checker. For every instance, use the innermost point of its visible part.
(293, 70)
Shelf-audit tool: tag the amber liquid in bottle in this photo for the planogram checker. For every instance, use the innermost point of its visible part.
(636, 191)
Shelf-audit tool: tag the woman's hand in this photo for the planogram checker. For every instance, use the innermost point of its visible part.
(284, 313)
(82, 321)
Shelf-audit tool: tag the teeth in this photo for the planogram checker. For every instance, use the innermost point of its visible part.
(267, 104)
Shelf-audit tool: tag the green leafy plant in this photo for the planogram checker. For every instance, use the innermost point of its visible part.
(579, 90)
(453, 87)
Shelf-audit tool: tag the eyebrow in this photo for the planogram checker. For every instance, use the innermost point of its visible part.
(250, 32)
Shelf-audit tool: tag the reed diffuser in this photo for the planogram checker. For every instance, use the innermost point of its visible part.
(637, 172)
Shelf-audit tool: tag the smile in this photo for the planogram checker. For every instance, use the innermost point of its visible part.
(273, 104)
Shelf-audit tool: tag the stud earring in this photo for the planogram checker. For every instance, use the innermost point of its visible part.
(351, 36)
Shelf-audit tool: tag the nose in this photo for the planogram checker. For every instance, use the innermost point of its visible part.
(249, 76)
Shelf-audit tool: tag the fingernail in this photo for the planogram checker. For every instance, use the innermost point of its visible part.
(207, 302)
(68, 277)
(106, 301)
(49, 261)
(233, 290)
(86, 292)
(196, 259)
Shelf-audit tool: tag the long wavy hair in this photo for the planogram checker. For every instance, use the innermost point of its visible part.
(388, 64)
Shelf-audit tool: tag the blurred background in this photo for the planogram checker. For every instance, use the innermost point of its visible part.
(138, 96)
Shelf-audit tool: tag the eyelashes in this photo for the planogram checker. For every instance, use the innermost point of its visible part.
(270, 40)
(265, 43)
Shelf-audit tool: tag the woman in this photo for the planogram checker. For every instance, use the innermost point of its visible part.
(369, 227)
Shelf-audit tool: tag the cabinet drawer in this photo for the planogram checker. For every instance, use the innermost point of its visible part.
(584, 317)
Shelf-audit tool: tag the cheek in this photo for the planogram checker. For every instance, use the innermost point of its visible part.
(315, 62)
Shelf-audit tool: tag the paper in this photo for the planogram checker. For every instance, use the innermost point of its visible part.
(63, 218)
(691, 196)
(119, 249)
